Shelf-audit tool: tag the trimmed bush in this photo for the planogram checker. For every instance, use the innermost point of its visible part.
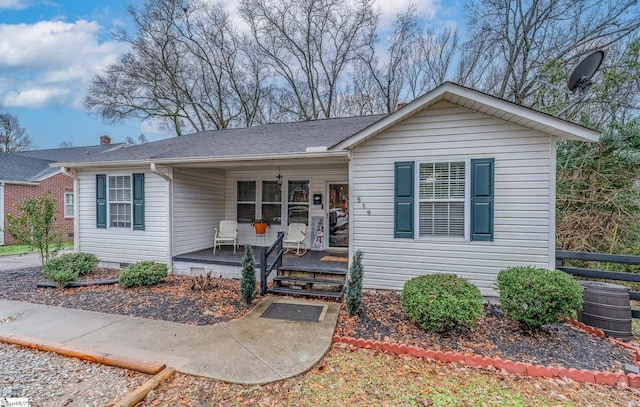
(248, 279)
(534, 296)
(60, 271)
(83, 263)
(66, 268)
(441, 302)
(354, 289)
(142, 273)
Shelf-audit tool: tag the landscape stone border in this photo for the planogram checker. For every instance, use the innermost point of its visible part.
(520, 368)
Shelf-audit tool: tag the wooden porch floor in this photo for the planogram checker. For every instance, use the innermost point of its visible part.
(225, 256)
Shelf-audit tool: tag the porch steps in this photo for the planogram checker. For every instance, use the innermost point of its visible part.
(309, 282)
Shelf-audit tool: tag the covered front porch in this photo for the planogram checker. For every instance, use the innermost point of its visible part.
(316, 273)
(227, 258)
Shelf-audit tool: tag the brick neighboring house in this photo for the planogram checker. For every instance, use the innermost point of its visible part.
(27, 174)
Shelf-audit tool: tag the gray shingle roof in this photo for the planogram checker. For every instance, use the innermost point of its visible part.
(70, 153)
(266, 139)
(18, 168)
(31, 166)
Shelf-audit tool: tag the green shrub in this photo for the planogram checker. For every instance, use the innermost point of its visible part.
(354, 289)
(60, 271)
(142, 273)
(535, 296)
(248, 278)
(83, 263)
(441, 302)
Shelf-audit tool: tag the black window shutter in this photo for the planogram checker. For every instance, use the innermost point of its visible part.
(138, 201)
(403, 200)
(482, 199)
(101, 201)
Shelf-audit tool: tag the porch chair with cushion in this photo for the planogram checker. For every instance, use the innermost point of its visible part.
(296, 238)
(226, 234)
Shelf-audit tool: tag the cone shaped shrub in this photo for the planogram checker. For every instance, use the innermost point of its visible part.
(248, 280)
(441, 302)
(354, 289)
(534, 296)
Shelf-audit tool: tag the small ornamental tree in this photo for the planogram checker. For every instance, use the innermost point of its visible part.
(354, 289)
(248, 279)
(34, 226)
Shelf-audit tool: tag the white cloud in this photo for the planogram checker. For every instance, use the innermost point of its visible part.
(50, 62)
(153, 129)
(14, 4)
(35, 97)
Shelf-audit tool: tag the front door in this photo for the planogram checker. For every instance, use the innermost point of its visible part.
(338, 197)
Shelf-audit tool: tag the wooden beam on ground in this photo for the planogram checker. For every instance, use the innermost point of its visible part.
(141, 392)
(92, 356)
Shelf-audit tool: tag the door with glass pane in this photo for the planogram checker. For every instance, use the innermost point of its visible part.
(338, 197)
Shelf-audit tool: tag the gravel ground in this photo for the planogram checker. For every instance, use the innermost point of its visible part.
(48, 379)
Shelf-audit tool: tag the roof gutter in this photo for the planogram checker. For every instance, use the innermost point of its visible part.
(154, 169)
(208, 159)
(30, 183)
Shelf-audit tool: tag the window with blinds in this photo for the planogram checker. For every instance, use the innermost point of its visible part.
(442, 199)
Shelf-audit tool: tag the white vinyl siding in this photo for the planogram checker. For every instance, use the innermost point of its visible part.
(317, 177)
(198, 208)
(124, 245)
(449, 133)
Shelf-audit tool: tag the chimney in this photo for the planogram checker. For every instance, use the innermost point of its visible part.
(400, 106)
(105, 139)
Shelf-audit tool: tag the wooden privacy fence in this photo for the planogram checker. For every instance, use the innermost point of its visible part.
(561, 255)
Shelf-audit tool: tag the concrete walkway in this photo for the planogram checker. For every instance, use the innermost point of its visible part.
(249, 350)
(21, 261)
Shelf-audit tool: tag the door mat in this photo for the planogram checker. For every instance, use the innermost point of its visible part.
(335, 258)
(293, 312)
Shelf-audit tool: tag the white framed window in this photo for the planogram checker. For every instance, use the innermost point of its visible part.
(68, 204)
(271, 203)
(442, 199)
(246, 201)
(298, 201)
(119, 201)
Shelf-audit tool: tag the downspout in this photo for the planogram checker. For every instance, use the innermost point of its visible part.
(1, 213)
(352, 207)
(70, 172)
(154, 169)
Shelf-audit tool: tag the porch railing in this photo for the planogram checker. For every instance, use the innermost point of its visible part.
(265, 267)
(561, 255)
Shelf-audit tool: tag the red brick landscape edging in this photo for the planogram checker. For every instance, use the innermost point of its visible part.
(521, 368)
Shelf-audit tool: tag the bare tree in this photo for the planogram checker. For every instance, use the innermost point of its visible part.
(414, 61)
(187, 68)
(509, 41)
(309, 44)
(130, 141)
(13, 137)
(66, 144)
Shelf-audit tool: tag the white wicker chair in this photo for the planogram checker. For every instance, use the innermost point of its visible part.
(226, 234)
(296, 238)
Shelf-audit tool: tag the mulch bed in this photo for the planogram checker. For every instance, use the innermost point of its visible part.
(171, 300)
(381, 317)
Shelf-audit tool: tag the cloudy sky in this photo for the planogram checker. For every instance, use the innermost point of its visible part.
(50, 49)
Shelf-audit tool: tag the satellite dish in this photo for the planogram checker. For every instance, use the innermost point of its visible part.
(580, 78)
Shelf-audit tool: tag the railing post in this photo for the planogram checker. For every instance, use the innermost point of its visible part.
(280, 246)
(559, 261)
(263, 270)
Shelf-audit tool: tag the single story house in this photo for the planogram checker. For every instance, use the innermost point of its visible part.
(27, 174)
(456, 181)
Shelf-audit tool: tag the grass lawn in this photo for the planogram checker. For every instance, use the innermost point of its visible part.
(24, 249)
(356, 377)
